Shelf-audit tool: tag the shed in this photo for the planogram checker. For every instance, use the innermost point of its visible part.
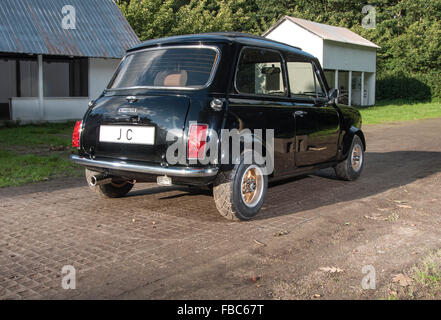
(349, 60)
(56, 55)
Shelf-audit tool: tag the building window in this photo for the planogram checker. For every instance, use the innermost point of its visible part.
(8, 86)
(28, 78)
(65, 77)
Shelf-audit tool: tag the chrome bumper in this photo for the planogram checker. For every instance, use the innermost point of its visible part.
(141, 168)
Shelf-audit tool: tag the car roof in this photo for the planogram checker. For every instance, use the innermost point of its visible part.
(222, 37)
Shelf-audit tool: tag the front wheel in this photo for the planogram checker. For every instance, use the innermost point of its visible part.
(114, 189)
(350, 169)
(239, 194)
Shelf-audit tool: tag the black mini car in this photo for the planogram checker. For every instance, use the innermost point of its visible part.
(224, 111)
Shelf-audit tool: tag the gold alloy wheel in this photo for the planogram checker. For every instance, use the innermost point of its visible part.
(357, 157)
(252, 186)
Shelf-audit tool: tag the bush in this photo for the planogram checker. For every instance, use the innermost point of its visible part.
(402, 86)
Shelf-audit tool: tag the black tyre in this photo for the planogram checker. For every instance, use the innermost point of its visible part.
(351, 168)
(239, 194)
(115, 189)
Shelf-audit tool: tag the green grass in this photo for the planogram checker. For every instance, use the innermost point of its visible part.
(426, 279)
(27, 153)
(56, 134)
(16, 169)
(393, 111)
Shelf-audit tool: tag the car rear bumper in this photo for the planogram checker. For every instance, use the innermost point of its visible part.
(171, 171)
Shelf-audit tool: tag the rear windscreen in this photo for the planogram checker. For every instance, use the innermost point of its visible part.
(168, 67)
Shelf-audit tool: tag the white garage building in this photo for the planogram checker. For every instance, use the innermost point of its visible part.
(349, 60)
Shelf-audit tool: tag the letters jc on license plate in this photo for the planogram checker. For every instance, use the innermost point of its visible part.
(127, 134)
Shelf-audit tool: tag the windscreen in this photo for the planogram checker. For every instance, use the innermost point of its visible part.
(168, 67)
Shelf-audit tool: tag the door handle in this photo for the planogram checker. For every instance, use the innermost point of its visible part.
(300, 113)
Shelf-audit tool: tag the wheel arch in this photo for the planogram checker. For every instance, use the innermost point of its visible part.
(347, 140)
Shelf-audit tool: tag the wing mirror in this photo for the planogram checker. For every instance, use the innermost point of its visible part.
(333, 94)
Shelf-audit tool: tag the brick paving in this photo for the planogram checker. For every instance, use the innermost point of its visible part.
(120, 245)
(116, 243)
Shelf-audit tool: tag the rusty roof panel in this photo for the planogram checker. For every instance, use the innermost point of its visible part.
(35, 27)
(328, 32)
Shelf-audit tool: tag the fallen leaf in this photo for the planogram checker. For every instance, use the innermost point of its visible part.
(331, 269)
(259, 243)
(384, 209)
(402, 280)
(281, 233)
(393, 293)
(255, 278)
(373, 217)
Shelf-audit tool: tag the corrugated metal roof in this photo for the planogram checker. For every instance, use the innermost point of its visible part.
(35, 26)
(327, 32)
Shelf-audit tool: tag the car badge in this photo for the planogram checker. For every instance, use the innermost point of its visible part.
(127, 110)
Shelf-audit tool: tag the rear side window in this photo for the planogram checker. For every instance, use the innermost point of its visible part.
(186, 67)
(303, 79)
(260, 72)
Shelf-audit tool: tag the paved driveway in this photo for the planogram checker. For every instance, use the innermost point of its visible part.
(167, 243)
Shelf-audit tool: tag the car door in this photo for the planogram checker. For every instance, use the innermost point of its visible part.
(316, 121)
(260, 101)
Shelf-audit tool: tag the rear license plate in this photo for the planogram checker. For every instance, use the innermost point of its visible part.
(127, 134)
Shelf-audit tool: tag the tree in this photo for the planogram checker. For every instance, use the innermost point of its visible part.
(408, 31)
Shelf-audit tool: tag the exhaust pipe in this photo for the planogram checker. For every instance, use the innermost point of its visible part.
(99, 179)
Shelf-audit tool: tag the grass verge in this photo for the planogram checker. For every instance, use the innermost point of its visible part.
(425, 280)
(34, 153)
(393, 111)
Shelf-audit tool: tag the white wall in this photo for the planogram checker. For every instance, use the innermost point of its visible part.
(290, 33)
(54, 109)
(100, 73)
(344, 56)
(66, 108)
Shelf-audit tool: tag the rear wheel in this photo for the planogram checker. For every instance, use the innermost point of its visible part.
(239, 194)
(351, 168)
(115, 189)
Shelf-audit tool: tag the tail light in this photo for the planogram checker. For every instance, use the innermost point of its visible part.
(197, 136)
(76, 134)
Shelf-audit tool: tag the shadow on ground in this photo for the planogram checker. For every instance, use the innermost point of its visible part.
(383, 171)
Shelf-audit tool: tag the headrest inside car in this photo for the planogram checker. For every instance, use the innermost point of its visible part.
(171, 78)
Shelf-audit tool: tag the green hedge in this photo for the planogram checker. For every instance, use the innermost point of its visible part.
(402, 86)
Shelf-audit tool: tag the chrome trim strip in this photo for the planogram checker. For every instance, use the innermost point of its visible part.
(140, 168)
(209, 82)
